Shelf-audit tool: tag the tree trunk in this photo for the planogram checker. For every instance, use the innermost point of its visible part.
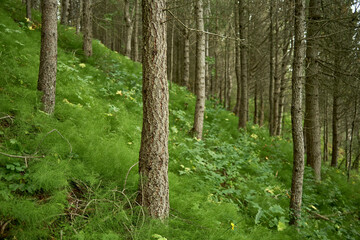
(271, 85)
(64, 12)
(154, 157)
(186, 57)
(326, 131)
(28, 9)
(200, 72)
(277, 79)
(262, 108)
(296, 114)
(237, 60)
(244, 74)
(79, 17)
(335, 136)
(87, 28)
(48, 55)
(129, 29)
(207, 52)
(312, 121)
(136, 33)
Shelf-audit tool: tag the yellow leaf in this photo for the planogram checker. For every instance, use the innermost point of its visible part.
(232, 226)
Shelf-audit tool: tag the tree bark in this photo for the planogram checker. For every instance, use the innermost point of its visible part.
(64, 12)
(87, 28)
(237, 60)
(186, 57)
(129, 29)
(136, 33)
(277, 79)
(335, 136)
(271, 65)
(244, 74)
(28, 9)
(296, 114)
(48, 55)
(312, 121)
(154, 157)
(200, 71)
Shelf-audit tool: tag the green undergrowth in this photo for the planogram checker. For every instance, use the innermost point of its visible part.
(232, 185)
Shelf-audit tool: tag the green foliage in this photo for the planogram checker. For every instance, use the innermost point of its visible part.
(232, 185)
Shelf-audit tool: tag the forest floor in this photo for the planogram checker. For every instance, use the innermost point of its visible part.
(232, 185)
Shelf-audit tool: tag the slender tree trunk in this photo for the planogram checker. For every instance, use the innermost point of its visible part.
(351, 136)
(271, 85)
(28, 9)
(237, 60)
(296, 113)
(129, 28)
(277, 79)
(312, 121)
(262, 108)
(79, 17)
(48, 55)
(200, 72)
(64, 12)
(256, 118)
(172, 65)
(87, 28)
(207, 52)
(326, 132)
(244, 74)
(154, 157)
(335, 136)
(136, 33)
(186, 57)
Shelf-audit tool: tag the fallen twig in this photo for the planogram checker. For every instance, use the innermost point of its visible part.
(127, 174)
(23, 157)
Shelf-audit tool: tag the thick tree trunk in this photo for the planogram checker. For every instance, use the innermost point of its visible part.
(48, 55)
(28, 9)
(200, 72)
(312, 121)
(64, 12)
(87, 28)
(296, 114)
(154, 157)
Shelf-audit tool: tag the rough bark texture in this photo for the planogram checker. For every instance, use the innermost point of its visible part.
(244, 74)
(87, 28)
(186, 57)
(48, 55)
(296, 113)
(277, 79)
(64, 12)
(154, 157)
(200, 72)
(312, 121)
(28, 9)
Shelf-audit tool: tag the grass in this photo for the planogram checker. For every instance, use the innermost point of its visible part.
(78, 190)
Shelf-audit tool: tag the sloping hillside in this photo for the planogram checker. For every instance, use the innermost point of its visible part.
(82, 183)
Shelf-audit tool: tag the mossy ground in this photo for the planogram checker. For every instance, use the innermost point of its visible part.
(78, 190)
